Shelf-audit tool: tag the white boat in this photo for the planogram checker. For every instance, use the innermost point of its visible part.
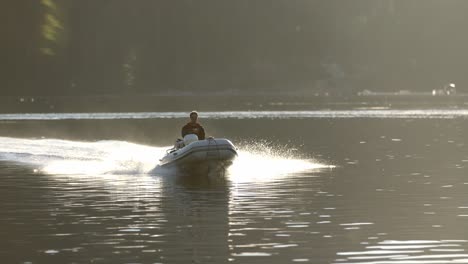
(200, 156)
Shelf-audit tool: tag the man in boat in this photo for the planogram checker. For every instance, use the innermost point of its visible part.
(193, 127)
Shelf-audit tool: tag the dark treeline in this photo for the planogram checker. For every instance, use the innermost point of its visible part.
(70, 47)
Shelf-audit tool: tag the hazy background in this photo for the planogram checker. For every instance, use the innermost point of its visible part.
(138, 47)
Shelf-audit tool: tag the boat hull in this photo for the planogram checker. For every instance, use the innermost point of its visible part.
(203, 156)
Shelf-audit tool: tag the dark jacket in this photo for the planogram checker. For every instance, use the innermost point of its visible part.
(196, 129)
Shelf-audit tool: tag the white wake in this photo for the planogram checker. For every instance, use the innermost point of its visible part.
(55, 156)
(65, 157)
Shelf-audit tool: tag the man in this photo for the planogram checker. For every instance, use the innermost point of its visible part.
(193, 127)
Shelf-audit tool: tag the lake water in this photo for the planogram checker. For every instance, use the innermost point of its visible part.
(361, 186)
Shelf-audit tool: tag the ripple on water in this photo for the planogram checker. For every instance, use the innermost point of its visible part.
(407, 251)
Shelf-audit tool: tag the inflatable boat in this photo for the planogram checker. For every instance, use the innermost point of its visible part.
(200, 156)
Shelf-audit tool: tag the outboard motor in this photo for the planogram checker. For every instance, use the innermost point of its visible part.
(178, 144)
(190, 138)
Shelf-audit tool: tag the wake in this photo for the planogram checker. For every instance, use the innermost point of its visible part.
(64, 157)
(53, 156)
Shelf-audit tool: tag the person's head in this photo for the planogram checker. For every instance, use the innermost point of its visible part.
(193, 116)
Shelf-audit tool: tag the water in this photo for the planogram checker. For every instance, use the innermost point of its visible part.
(377, 112)
(362, 186)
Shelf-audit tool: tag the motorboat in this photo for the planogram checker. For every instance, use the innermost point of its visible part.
(200, 156)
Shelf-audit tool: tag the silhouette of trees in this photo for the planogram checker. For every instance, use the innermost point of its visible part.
(53, 47)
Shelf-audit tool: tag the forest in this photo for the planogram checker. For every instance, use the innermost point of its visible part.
(121, 47)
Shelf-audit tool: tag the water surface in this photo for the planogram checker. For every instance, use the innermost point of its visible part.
(384, 186)
(375, 112)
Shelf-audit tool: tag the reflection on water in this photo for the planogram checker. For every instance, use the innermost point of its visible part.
(330, 191)
(410, 251)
